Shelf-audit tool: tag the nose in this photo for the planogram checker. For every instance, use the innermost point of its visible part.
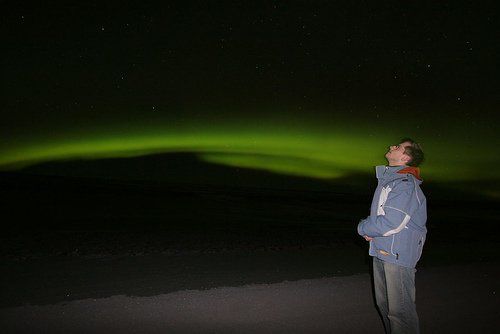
(392, 147)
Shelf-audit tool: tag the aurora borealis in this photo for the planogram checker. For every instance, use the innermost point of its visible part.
(296, 149)
(316, 90)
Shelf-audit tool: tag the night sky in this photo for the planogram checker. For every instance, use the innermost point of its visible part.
(307, 88)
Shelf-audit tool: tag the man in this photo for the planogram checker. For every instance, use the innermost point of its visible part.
(396, 232)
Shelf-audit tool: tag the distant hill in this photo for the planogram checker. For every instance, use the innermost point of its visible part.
(186, 168)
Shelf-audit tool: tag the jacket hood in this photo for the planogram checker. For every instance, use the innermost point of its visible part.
(415, 171)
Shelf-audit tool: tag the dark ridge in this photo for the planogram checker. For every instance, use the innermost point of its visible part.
(175, 202)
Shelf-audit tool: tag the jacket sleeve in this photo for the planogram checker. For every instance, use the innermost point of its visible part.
(393, 215)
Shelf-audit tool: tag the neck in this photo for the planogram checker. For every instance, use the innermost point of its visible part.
(396, 164)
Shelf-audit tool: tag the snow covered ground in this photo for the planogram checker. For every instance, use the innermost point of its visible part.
(450, 299)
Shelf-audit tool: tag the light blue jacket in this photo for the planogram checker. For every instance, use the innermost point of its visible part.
(397, 217)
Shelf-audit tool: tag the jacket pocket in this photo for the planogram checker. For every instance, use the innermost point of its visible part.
(408, 245)
(420, 246)
(417, 242)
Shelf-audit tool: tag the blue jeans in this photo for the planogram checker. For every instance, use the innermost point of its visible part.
(395, 295)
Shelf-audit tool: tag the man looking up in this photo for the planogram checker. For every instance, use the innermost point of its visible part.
(396, 231)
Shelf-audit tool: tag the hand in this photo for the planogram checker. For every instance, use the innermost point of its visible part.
(367, 238)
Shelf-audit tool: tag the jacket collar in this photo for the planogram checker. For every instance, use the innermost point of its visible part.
(384, 172)
(415, 171)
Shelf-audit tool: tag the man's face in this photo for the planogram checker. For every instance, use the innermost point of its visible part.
(396, 155)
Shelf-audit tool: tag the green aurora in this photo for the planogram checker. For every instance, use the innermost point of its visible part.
(326, 150)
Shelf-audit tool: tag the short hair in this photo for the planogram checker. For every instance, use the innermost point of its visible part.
(414, 151)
